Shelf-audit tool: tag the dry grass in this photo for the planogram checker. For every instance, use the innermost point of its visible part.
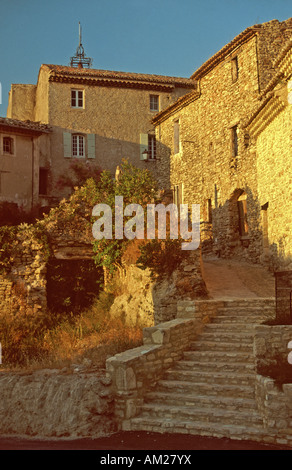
(46, 341)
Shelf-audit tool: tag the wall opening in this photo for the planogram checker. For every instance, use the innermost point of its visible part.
(72, 284)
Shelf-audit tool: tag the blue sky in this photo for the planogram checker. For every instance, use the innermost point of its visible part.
(168, 37)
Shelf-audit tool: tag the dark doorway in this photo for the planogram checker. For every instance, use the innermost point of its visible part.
(72, 284)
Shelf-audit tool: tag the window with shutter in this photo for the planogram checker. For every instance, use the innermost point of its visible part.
(78, 149)
(151, 147)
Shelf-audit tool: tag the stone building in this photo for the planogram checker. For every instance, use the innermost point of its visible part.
(271, 137)
(24, 146)
(206, 155)
(97, 117)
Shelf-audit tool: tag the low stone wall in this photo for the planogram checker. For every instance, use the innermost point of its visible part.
(50, 404)
(275, 407)
(133, 372)
(274, 402)
(271, 342)
(23, 283)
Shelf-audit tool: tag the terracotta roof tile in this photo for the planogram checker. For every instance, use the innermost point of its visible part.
(24, 125)
(65, 71)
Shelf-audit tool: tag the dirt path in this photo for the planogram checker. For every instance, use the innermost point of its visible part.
(230, 279)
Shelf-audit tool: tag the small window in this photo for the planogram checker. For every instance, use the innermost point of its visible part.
(151, 147)
(178, 194)
(234, 141)
(78, 146)
(43, 181)
(234, 69)
(176, 136)
(242, 215)
(154, 103)
(8, 145)
(209, 211)
(77, 98)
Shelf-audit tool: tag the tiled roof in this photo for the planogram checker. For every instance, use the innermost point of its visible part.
(59, 72)
(35, 127)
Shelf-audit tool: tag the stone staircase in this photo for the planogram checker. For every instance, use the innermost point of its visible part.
(211, 390)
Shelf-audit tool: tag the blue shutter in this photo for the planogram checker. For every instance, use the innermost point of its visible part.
(143, 145)
(91, 145)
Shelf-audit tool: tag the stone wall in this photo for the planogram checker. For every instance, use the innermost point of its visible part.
(51, 404)
(271, 342)
(23, 284)
(274, 401)
(274, 185)
(206, 167)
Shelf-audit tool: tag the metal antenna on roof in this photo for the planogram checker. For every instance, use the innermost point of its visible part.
(79, 60)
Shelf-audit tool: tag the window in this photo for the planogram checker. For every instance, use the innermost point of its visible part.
(8, 145)
(176, 136)
(242, 214)
(78, 146)
(151, 147)
(154, 103)
(234, 141)
(209, 211)
(178, 194)
(234, 69)
(77, 98)
(43, 181)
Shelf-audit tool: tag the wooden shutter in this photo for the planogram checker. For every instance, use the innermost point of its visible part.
(91, 145)
(67, 143)
(143, 145)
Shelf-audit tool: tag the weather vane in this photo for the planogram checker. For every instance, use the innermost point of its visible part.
(79, 60)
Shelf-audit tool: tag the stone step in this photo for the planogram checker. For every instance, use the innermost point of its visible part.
(251, 320)
(204, 345)
(222, 357)
(223, 378)
(249, 303)
(244, 328)
(201, 401)
(196, 427)
(195, 413)
(245, 391)
(222, 335)
(213, 366)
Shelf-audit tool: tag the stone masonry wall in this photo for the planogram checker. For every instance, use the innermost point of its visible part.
(275, 188)
(205, 166)
(24, 285)
(274, 403)
(52, 404)
(206, 154)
